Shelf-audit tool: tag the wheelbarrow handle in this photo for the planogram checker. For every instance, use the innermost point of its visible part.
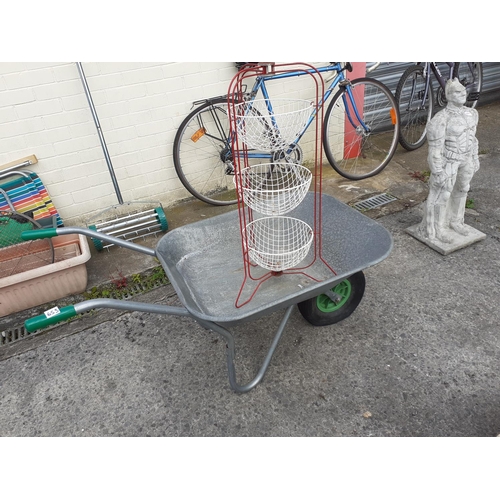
(56, 314)
(50, 232)
(50, 317)
(39, 234)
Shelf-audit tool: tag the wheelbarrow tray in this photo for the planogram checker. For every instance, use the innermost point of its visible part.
(205, 265)
(204, 262)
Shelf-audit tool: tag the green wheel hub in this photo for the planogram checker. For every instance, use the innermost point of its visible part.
(327, 305)
(161, 218)
(97, 243)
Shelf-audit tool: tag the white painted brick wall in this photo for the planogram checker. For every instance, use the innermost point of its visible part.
(44, 111)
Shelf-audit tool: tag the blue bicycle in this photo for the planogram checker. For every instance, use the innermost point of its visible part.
(360, 133)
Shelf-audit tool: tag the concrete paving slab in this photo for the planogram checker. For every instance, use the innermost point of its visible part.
(443, 248)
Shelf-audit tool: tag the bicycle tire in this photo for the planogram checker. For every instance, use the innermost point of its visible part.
(203, 158)
(470, 76)
(352, 152)
(413, 115)
(202, 154)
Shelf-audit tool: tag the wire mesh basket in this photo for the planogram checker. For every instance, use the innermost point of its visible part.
(274, 188)
(278, 243)
(272, 129)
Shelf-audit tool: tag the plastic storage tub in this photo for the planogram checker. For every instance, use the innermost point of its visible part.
(66, 276)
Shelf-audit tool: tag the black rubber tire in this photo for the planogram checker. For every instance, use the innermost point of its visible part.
(414, 118)
(322, 311)
(202, 164)
(377, 146)
(470, 75)
(199, 162)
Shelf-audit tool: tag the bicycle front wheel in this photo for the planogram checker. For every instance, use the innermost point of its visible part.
(361, 128)
(470, 75)
(202, 154)
(415, 105)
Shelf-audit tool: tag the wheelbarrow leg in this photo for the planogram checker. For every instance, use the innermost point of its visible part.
(68, 312)
(230, 352)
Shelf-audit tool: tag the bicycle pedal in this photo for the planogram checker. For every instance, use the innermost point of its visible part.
(473, 96)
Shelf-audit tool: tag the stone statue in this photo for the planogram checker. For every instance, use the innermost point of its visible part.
(453, 160)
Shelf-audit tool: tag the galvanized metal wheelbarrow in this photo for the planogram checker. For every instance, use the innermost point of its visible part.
(203, 262)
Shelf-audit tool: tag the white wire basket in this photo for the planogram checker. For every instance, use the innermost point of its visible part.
(278, 243)
(275, 130)
(274, 188)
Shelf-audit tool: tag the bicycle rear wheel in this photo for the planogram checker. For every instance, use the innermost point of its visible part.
(360, 142)
(203, 158)
(202, 154)
(414, 111)
(470, 75)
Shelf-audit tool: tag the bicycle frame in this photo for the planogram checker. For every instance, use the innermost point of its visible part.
(432, 68)
(437, 73)
(262, 121)
(260, 87)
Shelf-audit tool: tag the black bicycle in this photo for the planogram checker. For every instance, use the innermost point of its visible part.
(415, 96)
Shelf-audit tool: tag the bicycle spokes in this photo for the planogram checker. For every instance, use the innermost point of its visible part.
(361, 129)
(202, 154)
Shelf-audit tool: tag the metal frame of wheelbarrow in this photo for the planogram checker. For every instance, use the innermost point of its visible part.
(204, 264)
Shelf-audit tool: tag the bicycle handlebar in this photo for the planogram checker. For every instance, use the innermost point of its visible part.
(372, 68)
(348, 65)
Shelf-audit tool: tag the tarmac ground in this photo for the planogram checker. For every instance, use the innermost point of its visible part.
(418, 357)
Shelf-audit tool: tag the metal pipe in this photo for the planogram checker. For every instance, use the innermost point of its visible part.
(24, 164)
(231, 352)
(7, 173)
(104, 237)
(99, 131)
(128, 305)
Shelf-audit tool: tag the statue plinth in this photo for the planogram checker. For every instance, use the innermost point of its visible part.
(457, 241)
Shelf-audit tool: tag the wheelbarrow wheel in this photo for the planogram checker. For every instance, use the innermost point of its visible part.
(326, 310)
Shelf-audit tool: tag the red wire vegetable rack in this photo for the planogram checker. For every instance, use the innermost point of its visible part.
(274, 242)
